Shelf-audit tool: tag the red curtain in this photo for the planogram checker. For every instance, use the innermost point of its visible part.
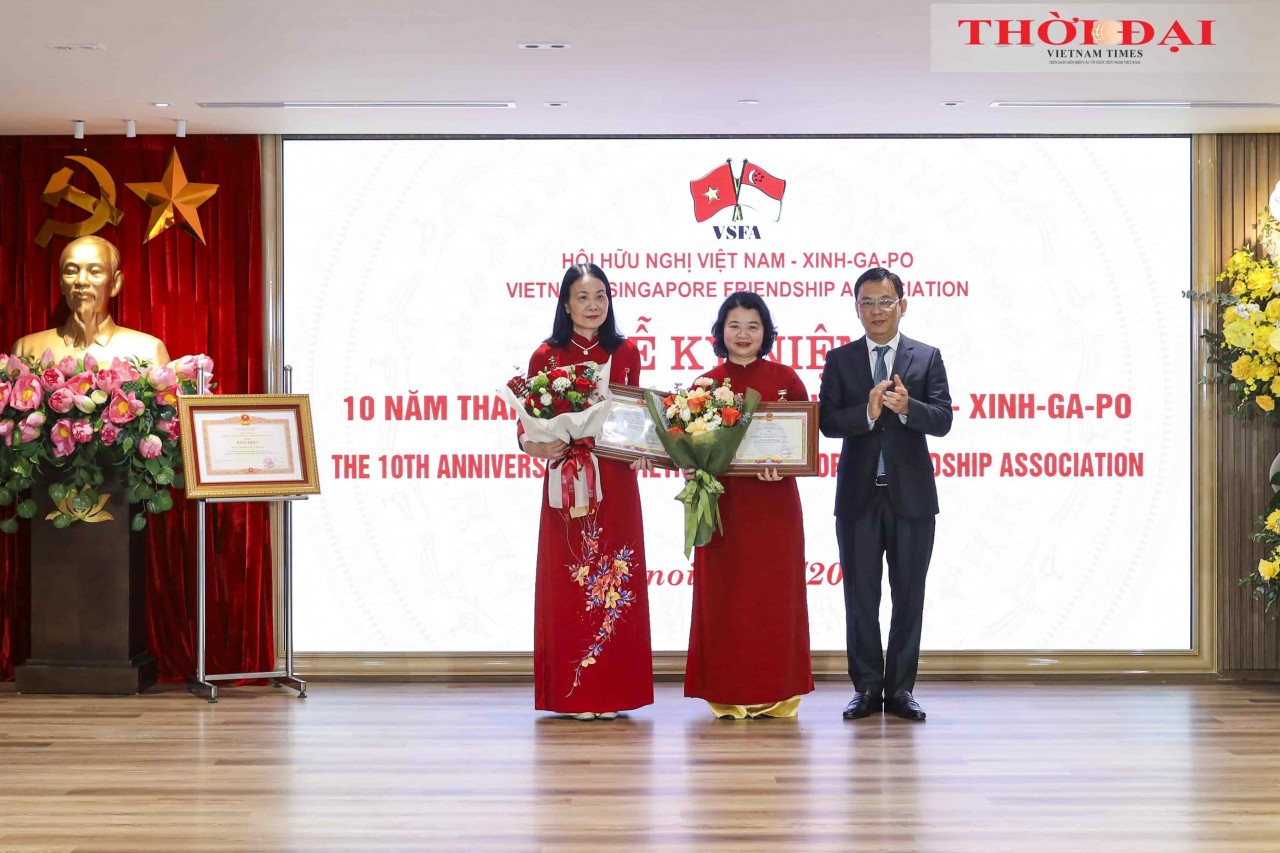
(196, 298)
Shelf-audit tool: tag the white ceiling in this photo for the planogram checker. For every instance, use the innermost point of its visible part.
(641, 67)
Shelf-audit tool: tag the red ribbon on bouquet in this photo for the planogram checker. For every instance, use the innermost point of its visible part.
(577, 459)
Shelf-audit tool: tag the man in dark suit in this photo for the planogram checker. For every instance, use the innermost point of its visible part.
(883, 394)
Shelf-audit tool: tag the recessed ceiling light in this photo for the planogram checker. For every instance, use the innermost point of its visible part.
(749, 102)
(357, 105)
(544, 45)
(951, 103)
(78, 46)
(555, 103)
(159, 103)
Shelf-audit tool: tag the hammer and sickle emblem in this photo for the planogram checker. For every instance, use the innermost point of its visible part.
(101, 209)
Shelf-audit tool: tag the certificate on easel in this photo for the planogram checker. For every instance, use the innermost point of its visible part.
(248, 445)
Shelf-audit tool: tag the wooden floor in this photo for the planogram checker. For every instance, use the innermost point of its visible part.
(374, 767)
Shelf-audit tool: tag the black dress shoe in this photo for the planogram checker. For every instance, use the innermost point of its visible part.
(904, 705)
(863, 705)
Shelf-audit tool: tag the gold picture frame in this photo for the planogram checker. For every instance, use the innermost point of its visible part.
(247, 446)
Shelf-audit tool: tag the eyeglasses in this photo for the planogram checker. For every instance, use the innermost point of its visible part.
(882, 304)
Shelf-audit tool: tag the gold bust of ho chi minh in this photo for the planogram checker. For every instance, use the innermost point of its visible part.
(90, 272)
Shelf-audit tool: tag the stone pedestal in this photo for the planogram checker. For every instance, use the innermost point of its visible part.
(88, 602)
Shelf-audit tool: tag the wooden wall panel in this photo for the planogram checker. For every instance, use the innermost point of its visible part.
(1248, 643)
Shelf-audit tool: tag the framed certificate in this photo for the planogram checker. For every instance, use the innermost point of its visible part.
(248, 445)
(629, 433)
(782, 435)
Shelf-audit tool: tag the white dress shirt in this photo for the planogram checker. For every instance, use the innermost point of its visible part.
(889, 358)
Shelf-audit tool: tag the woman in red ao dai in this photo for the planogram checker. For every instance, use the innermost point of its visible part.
(591, 647)
(749, 636)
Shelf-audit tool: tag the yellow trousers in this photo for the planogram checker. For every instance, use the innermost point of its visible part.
(785, 708)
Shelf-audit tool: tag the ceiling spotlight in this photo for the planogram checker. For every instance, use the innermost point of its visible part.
(749, 102)
(544, 45)
(951, 104)
(182, 128)
(159, 103)
(78, 124)
(130, 128)
(555, 103)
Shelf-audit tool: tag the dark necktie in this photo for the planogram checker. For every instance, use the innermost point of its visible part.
(880, 374)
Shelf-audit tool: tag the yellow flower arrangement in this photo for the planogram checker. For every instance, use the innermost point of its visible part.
(1273, 522)
(1265, 582)
(1245, 353)
(1245, 356)
(1242, 367)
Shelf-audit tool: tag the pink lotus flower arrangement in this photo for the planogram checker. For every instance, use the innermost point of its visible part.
(65, 421)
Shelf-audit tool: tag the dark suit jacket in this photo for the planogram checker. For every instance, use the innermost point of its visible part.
(846, 385)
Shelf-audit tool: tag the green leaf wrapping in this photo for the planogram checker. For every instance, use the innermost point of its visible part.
(707, 454)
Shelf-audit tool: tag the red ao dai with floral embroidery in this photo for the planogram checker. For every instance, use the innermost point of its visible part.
(749, 636)
(591, 648)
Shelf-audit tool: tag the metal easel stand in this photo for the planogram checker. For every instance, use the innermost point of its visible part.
(205, 681)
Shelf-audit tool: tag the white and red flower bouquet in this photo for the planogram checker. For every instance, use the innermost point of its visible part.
(62, 421)
(571, 404)
(701, 430)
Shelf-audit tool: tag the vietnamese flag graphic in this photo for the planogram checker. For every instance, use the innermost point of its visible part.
(761, 191)
(713, 192)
